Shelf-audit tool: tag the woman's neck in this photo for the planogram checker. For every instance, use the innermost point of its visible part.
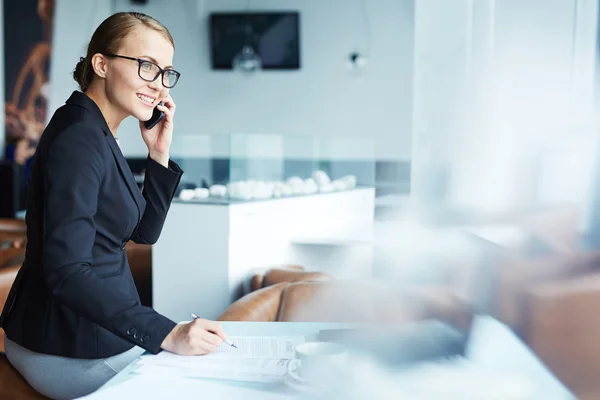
(111, 114)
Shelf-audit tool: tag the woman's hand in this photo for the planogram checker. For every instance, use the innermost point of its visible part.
(158, 139)
(198, 337)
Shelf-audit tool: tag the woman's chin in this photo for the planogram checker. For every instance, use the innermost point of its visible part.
(144, 115)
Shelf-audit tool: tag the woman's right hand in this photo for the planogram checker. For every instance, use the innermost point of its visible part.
(198, 337)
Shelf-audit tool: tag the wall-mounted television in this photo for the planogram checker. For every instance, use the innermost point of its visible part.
(274, 36)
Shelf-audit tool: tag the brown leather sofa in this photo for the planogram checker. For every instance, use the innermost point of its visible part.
(284, 273)
(518, 277)
(12, 228)
(262, 303)
(13, 239)
(551, 301)
(140, 263)
(552, 304)
(290, 294)
(564, 331)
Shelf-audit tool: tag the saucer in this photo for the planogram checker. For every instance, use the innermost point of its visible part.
(296, 382)
(299, 386)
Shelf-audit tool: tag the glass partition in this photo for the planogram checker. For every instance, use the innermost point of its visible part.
(255, 167)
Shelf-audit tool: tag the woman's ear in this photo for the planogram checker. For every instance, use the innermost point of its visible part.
(99, 63)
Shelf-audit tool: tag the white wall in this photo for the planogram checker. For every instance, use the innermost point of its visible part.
(515, 96)
(322, 98)
(440, 90)
(74, 24)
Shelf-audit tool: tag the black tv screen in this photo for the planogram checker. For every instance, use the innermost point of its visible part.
(273, 35)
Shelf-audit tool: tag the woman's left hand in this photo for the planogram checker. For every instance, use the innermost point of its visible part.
(158, 139)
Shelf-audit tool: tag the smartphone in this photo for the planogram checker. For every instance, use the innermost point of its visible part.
(157, 116)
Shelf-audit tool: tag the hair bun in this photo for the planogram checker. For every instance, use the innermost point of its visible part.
(80, 72)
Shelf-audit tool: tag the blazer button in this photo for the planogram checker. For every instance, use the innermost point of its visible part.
(123, 245)
(145, 339)
(132, 332)
(136, 335)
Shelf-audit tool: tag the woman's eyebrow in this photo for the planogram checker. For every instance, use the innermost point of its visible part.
(155, 61)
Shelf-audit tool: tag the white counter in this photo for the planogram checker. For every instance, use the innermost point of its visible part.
(207, 252)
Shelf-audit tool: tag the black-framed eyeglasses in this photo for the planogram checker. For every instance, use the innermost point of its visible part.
(149, 71)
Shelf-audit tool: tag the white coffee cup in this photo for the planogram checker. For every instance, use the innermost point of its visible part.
(318, 363)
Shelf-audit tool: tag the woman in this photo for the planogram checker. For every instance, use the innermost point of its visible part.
(73, 318)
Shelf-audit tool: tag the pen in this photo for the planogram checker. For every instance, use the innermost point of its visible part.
(226, 341)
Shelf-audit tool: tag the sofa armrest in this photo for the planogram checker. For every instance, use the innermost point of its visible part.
(276, 275)
(564, 330)
(12, 225)
(12, 229)
(260, 305)
(257, 280)
(11, 256)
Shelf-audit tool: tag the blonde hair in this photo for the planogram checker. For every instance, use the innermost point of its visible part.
(108, 38)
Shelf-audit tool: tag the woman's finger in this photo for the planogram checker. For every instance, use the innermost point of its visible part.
(167, 111)
(207, 347)
(169, 103)
(212, 338)
(217, 328)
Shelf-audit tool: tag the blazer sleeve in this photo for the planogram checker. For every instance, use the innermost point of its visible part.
(160, 184)
(74, 173)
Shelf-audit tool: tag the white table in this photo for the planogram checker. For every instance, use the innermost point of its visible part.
(492, 346)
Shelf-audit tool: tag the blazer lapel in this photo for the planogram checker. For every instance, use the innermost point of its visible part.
(126, 174)
(81, 100)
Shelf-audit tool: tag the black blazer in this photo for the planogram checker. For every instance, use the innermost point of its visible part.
(74, 296)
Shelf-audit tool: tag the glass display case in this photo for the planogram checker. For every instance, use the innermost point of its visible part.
(255, 167)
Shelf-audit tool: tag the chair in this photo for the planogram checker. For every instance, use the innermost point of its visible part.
(7, 277)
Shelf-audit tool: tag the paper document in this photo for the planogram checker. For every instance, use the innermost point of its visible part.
(247, 347)
(257, 359)
(249, 370)
(259, 347)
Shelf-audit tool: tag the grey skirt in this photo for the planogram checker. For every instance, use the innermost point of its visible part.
(66, 378)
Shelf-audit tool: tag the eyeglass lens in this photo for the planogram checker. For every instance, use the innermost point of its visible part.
(149, 72)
